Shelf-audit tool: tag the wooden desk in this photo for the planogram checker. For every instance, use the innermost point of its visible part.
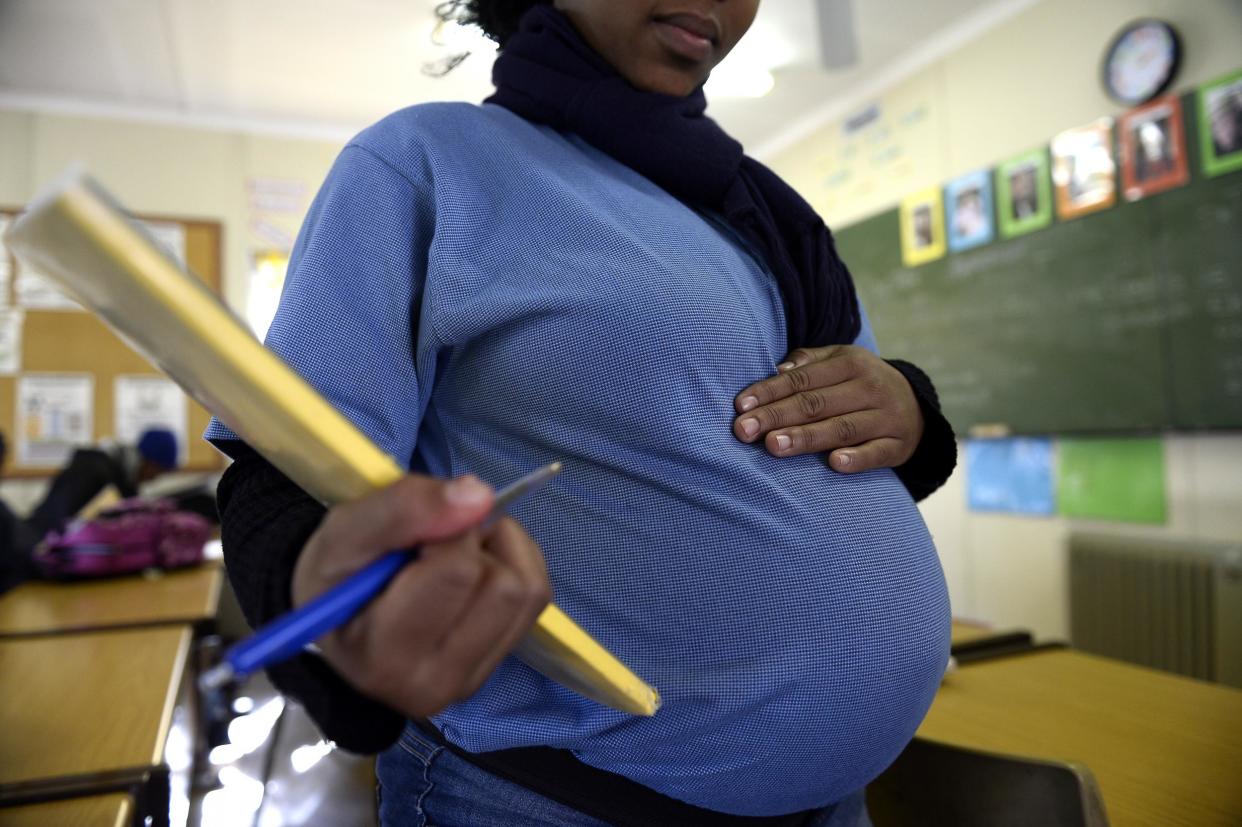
(965, 632)
(115, 810)
(970, 642)
(81, 704)
(1166, 750)
(176, 597)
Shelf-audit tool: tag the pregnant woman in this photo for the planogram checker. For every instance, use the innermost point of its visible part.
(586, 268)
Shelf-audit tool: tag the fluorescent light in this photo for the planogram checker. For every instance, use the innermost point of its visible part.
(739, 81)
(747, 71)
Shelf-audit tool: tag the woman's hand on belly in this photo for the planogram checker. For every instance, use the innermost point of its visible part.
(841, 399)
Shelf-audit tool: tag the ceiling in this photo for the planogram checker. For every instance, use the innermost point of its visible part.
(329, 67)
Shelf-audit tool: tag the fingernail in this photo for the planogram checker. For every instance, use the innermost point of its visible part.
(784, 366)
(844, 460)
(750, 427)
(748, 402)
(782, 442)
(467, 490)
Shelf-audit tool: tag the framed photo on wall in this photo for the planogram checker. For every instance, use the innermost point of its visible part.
(1220, 124)
(969, 211)
(1083, 169)
(1153, 149)
(922, 227)
(1023, 194)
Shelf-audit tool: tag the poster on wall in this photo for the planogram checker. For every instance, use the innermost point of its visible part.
(143, 402)
(1220, 124)
(1083, 169)
(286, 196)
(878, 148)
(969, 211)
(1010, 475)
(35, 291)
(11, 319)
(922, 227)
(1153, 149)
(1023, 194)
(1112, 479)
(54, 416)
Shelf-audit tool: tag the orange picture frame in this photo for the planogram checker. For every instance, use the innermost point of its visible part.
(1084, 171)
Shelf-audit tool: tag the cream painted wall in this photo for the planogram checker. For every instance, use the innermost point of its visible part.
(1045, 64)
(15, 128)
(1008, 91)
(1011, 90)
(158, 168)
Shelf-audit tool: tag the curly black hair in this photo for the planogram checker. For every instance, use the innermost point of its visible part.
(497, 18)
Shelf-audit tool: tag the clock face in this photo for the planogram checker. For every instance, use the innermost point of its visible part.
(1142, 61)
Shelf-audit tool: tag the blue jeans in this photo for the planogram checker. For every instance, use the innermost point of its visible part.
(421, 784)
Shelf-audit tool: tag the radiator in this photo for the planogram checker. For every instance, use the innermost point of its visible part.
(1163, 603)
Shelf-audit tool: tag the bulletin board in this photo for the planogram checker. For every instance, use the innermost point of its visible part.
(76, 343)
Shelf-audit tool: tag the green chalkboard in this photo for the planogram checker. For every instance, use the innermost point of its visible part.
(1126, 320)
(1197, 245)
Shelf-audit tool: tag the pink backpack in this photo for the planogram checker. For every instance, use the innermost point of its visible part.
(131, 536)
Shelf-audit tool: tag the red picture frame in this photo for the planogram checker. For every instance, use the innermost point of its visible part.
(1153, 149)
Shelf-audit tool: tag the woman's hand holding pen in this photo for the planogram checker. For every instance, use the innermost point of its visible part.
(446, 620)
(841, 399)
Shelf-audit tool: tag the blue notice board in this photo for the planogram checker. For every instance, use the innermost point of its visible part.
(1012, 475)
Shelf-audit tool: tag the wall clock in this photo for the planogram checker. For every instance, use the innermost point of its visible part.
(1142, 61)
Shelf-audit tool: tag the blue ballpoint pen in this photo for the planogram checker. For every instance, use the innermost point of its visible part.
(285, 637)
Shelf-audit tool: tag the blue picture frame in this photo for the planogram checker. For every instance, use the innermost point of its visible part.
(970, 211)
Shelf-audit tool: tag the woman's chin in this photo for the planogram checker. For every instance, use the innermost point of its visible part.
(665, 81)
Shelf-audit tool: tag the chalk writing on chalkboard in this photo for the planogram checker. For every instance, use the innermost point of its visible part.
(1129, 319)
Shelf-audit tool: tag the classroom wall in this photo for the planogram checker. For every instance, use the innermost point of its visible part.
(1010, 90)
(1007, 91)
(166, 169)
(161, 168)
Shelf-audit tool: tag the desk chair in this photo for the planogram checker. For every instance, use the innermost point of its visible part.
(937, 784)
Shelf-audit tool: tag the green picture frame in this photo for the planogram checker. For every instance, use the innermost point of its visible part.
(1024, 194)
(1220, 124)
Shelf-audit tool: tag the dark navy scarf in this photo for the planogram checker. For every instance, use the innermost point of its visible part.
(548, 74)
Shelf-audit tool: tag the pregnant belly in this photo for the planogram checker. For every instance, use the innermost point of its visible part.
(795, 621)
(797, 643)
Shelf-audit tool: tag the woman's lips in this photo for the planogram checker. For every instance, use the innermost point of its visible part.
(689, 36)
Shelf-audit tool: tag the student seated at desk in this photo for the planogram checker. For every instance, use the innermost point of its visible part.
(91, 470)
(17, 541)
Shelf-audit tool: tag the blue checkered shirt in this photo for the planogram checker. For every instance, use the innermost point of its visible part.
(478, 293)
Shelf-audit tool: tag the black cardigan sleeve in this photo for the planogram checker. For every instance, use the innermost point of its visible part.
(936, 455)
(265, 521)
